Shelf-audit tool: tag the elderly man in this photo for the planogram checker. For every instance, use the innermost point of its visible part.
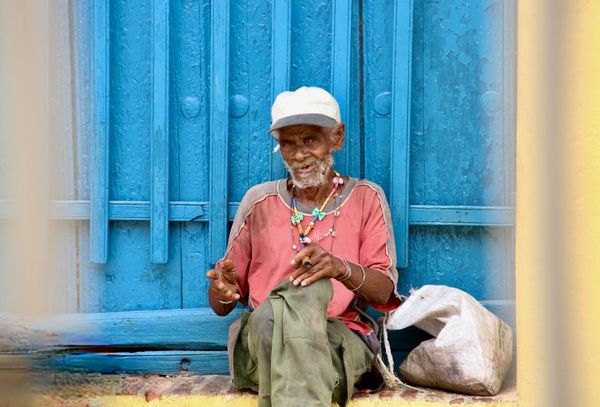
(307, 255)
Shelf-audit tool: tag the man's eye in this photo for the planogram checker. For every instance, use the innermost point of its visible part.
(312, 140)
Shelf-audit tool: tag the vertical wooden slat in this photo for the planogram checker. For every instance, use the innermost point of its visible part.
(219, 124)
(400, 137)
(281, 26)
(100, 144)
(341, 79)
(159, 207)
(509, 131)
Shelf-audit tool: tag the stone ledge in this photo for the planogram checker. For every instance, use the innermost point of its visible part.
(72, 389)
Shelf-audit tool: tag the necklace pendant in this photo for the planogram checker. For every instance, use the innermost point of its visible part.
(318, 214)
(296, 218)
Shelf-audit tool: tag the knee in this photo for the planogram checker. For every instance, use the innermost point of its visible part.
(318, 293)
(260, 324)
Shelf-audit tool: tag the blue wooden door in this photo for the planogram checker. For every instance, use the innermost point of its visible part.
(172, 100)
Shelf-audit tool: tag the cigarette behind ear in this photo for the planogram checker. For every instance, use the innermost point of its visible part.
(276, 149)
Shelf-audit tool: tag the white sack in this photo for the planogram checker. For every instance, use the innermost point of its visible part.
(471, 351)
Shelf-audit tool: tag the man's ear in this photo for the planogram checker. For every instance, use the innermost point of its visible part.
(338, 137)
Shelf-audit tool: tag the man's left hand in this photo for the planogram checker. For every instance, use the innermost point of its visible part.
(322, 265)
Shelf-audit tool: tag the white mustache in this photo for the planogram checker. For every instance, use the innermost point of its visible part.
(311, 161)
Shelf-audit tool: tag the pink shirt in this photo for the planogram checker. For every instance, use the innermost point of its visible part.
(262, 238)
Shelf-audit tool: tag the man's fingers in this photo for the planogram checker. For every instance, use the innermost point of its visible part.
(311, 278)
(306, 252)
(227, 266)
(316, 270)
(225, 292)
(300, 270)
(227, 263)
(229, 271)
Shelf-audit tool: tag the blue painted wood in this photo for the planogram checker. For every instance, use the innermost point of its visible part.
(459, 167)
(509, 127)
(400, 147)
(281, 18)
(343, 83)
(461, 215)
(159, 220)
(311, 44)
(190, 135)
(509, 100)
(457, 133)
(130, 281)
(198, 212)
(164, 363)
(181, 329)
(219, 119)
(250, 155)
(378, 18)
(469, 258)
(100, 143)
(459, 151)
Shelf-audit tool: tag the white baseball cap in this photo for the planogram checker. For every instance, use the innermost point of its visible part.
(306, 105)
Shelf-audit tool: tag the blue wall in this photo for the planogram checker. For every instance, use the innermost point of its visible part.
(163, 87)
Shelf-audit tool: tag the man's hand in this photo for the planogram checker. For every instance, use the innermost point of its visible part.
(224, 281)
(322, 265)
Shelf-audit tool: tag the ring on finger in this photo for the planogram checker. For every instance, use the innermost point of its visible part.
(306, 263)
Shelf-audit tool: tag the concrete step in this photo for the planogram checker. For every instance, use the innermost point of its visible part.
(85, 389)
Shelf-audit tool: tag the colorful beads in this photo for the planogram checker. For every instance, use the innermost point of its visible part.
(317, 213)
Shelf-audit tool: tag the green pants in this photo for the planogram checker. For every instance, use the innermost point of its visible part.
(293, 355)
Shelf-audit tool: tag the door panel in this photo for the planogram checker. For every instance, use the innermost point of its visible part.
(458, 131)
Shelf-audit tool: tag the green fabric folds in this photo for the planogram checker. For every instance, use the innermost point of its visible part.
(293, 355)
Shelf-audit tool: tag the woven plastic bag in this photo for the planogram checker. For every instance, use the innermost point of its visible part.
(471, 351)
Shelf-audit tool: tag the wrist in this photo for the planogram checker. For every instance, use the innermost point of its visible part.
(344, 272)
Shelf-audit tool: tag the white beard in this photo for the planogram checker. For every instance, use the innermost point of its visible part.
(315, 177)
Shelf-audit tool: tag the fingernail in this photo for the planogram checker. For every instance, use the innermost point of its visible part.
(291, 278)
(292, 262)
(303, 284)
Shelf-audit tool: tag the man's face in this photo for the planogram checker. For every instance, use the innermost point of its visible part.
(308, 153)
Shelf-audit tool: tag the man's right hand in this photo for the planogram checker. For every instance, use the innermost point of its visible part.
(224, 281)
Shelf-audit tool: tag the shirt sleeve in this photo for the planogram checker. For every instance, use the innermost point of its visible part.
(377, 248)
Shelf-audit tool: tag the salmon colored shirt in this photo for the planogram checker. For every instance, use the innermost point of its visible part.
(262, 239)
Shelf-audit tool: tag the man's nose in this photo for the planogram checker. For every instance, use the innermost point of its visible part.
(300, 154)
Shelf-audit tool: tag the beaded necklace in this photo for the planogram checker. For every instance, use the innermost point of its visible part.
(318, 215)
